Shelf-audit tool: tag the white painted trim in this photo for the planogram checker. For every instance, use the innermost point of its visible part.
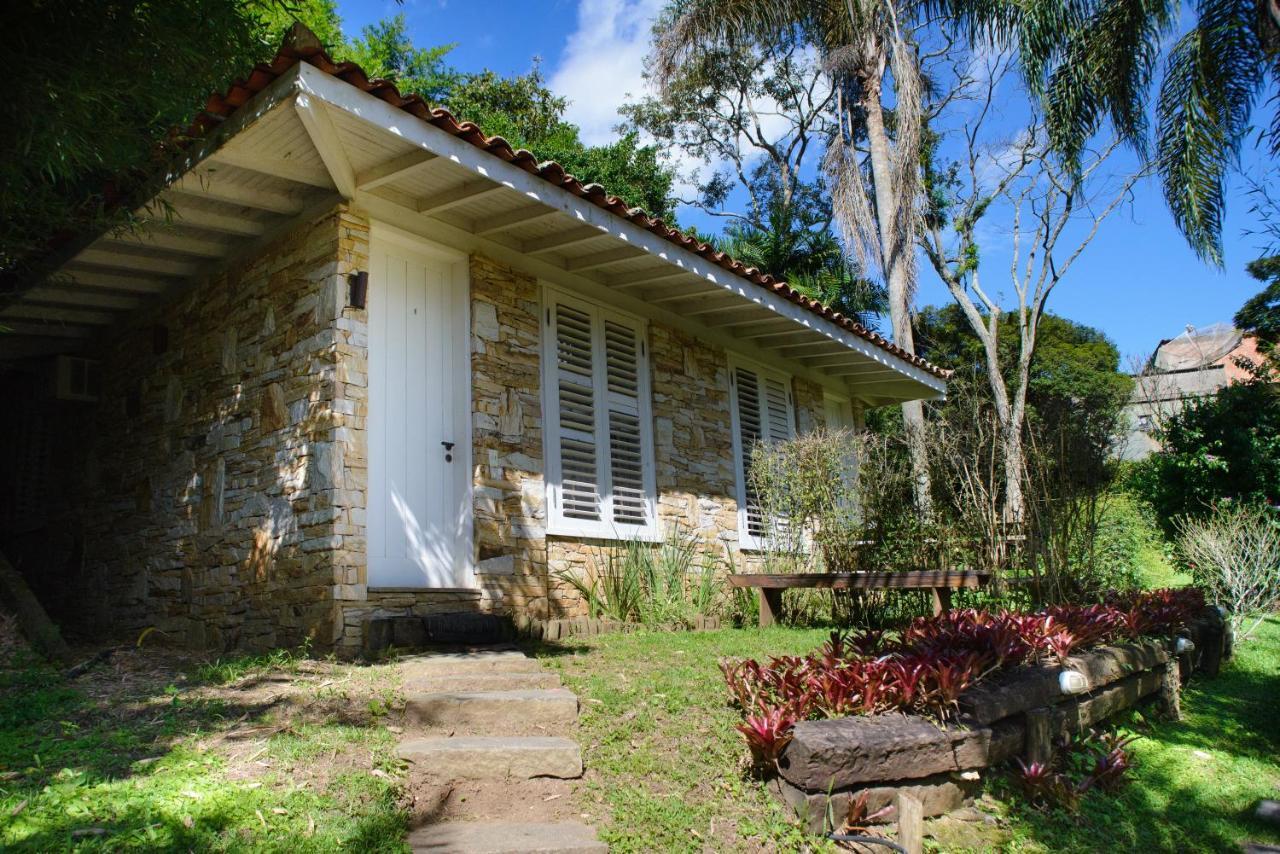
(343, 96)
(606, 528)
(324, 136)
(461, 273)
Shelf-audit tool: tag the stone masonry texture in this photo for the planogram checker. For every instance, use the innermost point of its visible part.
(223, 492)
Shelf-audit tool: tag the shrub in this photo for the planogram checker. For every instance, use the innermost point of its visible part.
(1222, 447)
(1234, 553)
(934, 660)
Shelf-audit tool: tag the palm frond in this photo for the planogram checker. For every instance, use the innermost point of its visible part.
(1214, 75)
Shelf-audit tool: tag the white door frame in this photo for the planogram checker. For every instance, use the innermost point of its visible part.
(381, 232)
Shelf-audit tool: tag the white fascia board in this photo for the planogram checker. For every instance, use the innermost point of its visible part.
(394, 120)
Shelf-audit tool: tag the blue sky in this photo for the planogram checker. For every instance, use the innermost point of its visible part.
(1137, 281)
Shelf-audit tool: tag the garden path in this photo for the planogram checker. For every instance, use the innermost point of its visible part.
(492, 760)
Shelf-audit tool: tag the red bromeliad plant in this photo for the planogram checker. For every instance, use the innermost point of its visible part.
(934, 660)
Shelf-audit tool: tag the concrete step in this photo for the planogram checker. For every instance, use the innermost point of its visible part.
(495, 681)
(493, 709)
(490, 758)
(495, 837)
(467, 663)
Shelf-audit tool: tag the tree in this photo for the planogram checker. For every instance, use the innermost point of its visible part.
(866, 51)
(384, 49)
(529, 115)
(1260, 315)
(1096, 59)
(94, 86)
(1053, 216)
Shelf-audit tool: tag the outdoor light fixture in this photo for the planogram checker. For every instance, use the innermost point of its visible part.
(1184, 645)
(359, 284)
(1072, 682)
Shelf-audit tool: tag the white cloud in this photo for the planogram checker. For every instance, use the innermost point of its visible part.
(602, 63)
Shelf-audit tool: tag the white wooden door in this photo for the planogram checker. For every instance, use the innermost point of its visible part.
(419, 505)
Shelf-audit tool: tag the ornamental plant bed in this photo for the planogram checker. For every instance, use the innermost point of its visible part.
(952, 695)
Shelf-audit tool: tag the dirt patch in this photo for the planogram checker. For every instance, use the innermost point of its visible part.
(536, 800)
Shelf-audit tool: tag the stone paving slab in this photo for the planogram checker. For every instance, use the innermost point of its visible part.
(495, 709)
(485, 837)
(467, 663)
(488, 758)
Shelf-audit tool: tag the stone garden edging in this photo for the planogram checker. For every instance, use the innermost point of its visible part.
(830, 763)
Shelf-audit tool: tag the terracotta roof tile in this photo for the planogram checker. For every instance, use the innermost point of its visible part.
(300, 45)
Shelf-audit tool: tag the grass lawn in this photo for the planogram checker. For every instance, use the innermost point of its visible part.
(666, 768)
(152, 752)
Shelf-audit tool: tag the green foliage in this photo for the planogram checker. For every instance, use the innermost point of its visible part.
(1096, 60)
(794, 243)
(1226, 446)
(667, 585)
(1260, 315)
(1123, 544)
(83, 123)
(385, 50)
(93, 86)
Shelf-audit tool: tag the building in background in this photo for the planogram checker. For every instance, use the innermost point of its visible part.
(1191, 366)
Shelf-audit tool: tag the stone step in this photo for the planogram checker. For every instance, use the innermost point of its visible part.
(496, 681)
(495, 837)
(490, 758)
(493, 709)
(467, 663)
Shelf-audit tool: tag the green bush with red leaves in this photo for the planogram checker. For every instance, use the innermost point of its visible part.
(926, 668)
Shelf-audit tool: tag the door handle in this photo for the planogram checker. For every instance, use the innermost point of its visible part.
(448, 451)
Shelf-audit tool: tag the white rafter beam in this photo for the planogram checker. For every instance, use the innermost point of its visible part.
(205, 185)
(275, 167)
(561, 239)
(72, 296)
(602, 259)
(439, 202)
(57, 314)
(45, 330)
(324, 136)
(184, 214)
(511, 219)
(393, 169)
(730, 319)
(109, 281)
(640, 278)
(173, 242)
(139, 263)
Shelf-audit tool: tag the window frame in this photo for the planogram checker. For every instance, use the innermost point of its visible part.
(604, 528)
(746, 540)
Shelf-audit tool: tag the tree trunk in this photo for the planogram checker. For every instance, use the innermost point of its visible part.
(35, 623)
(895, 249)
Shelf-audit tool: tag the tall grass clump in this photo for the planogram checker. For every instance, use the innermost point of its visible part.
(660, 585)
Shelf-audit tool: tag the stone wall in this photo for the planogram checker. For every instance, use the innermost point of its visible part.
(217, 494)
(518, 563)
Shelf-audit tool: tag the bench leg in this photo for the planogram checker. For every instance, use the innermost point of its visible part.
(770, 606)
(941, 600)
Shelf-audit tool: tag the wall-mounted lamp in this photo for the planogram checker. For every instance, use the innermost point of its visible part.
(359, 285)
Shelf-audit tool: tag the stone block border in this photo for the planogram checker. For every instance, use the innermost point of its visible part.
(829, 764)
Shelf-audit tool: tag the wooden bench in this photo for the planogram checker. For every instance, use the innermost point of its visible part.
(939, 582)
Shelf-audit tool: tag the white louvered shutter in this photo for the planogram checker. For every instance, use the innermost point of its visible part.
(600, 451)
(579, 485)
(764, 415)
(629, 503)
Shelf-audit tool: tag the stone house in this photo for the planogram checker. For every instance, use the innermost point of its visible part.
(363, 360)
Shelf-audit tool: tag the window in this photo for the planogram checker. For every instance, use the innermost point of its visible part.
(762, 412)
(599, 445)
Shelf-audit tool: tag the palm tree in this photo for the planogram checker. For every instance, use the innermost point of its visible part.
(867, 51)
(1094, 60)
